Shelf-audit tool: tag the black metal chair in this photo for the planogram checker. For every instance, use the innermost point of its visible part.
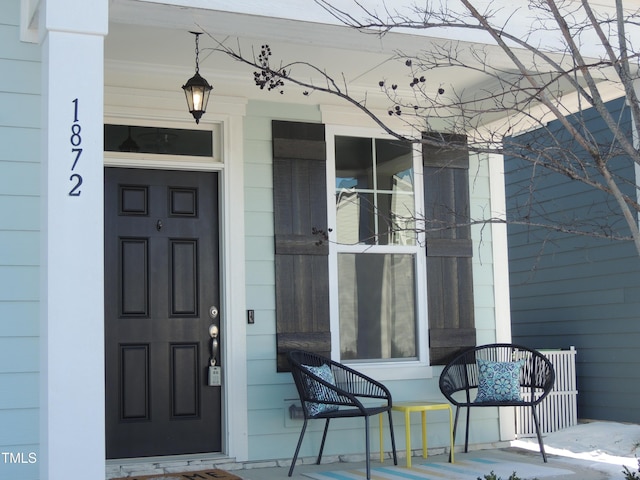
(534, 379)
(329, 390)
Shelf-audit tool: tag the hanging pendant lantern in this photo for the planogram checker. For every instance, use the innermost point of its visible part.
(197, 89)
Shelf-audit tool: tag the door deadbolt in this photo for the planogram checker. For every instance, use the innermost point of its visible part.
(213, 312)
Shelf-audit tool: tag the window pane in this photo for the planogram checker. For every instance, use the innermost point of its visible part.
(166, 141)
(396, 219)
(377, 306)
(394, 165)
(355, 218)
(354, 163)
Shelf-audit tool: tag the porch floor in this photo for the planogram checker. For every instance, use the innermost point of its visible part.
(582, 469)
(277, 470)
(591, 450)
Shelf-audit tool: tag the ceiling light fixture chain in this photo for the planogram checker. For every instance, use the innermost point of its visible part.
(197, 34)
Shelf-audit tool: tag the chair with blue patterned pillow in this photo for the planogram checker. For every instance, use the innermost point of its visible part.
(329, 390)
(500, 375)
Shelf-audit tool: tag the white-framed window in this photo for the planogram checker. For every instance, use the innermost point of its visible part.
(376, 253)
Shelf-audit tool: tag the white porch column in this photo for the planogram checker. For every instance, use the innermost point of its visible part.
(72, 292)
(501, 276)
(499, 245)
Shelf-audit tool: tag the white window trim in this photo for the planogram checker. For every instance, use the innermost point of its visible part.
(163, 161)
(388, 370)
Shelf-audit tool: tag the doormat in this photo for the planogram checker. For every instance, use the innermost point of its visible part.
(211, 474)
(468, 469)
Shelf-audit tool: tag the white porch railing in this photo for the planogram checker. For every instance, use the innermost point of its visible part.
(560, 408)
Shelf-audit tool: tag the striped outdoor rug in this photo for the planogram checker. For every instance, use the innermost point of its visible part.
(467, 469)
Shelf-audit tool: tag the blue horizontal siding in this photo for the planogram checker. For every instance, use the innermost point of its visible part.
(568, 311)
(19, 178)
(19, 246)
(18, 144)
(263, 275)
(19, 213)
(19, 355)
(19, 284)
(19, 390)
(262, 298)
(259, 221)
(10, 46)
(578, 290)
(259, 176)
(602, 349)
(27, 82)
(577, 251)
(261, 373)
(556, 285)
(19, 110)
(255, 245)
(10, 13)
(263, 197)
(19, 319)
(20, 427)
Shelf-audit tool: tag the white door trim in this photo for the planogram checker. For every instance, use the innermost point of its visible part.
(228, 129)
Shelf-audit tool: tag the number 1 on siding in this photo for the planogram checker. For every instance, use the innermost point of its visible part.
(75, 110)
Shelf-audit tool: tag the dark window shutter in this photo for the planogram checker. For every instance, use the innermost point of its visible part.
(301, 265)
(448, 248)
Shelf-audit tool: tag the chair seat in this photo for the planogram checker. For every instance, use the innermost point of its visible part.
(505, 403)
(351, 412)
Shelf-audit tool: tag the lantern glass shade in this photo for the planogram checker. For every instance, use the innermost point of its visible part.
(197, 91)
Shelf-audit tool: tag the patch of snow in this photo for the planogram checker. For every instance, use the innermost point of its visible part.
(607, 443)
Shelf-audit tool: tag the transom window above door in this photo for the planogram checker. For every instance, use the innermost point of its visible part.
(375, 250)
(134, 139)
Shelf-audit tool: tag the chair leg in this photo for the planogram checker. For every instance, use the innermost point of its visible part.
(324, 437)
(393, 439)
(368, 453)
(537, 423)
(455, 429)
(295, 455)
(466, 435)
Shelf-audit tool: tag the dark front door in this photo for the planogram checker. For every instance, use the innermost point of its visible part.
(161, 282)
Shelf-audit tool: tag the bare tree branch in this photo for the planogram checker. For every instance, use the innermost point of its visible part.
(538, 84)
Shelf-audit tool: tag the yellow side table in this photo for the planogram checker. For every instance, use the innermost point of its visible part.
(407, 408)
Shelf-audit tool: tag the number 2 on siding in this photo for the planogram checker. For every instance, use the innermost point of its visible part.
(75, 191)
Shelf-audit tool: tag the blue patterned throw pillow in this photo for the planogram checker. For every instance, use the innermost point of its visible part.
(319, 391)
(498, 381)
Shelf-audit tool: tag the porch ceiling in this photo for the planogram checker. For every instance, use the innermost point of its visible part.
(156, 36)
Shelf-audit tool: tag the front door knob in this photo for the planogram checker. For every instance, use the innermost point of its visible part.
(213, 331)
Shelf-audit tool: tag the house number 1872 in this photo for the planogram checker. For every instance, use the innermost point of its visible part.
(76, 140)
